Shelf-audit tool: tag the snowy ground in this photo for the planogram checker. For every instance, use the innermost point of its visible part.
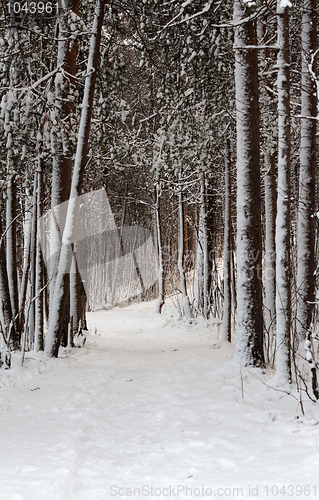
(150, 409)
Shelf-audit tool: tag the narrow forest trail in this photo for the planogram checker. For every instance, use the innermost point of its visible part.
(148, 402)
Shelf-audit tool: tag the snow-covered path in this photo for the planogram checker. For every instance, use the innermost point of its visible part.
(149, 403)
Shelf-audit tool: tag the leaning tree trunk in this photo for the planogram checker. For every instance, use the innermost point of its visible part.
(283, 258)
(56, 315)
(62, 162)
(249, 343)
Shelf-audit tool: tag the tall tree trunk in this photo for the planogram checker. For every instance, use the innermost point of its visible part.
(62, 162)
(54, 335)
(186, 312)
(249, 343)
(227, 248)
(26, 262)
(283, 258)
(31, 315)
(39, 281)
(199, 268)
(5, 303)
(269, 157)
(307, 173)
(202, 264)
(203, 210)
(270, 252)
(119, 249)
(11, 247)
(161, 291)
(307, 180)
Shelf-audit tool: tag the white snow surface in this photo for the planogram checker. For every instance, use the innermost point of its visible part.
(149, 402)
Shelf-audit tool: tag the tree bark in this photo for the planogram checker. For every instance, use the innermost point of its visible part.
(6, 312)
(26, 263)
(33, 253)
(270, 252)
(74, 301)
(186, 312)
(11, 248)
(307, 191)
(249, 343)
(202, 264)
(269, 157)
(161, 291)
(62, 162)
(283, 258)
(227, 248)
(39, 281)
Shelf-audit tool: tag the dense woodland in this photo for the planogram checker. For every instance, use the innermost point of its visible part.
(198, 119)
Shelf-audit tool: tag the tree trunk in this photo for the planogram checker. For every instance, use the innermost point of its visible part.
(307, 174)
(74, 301)
(83, 308)
(283, 260)
(249, 343)
(11, 247)
(202, 265)
(185, 300)
(270, 252)
(6, 312)
(227, 248)
(26, 262)
(269, 157)
(161, 292)
(39, 281)
(54, 336)
(307, 180)
(62, 162)
(31, 315)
